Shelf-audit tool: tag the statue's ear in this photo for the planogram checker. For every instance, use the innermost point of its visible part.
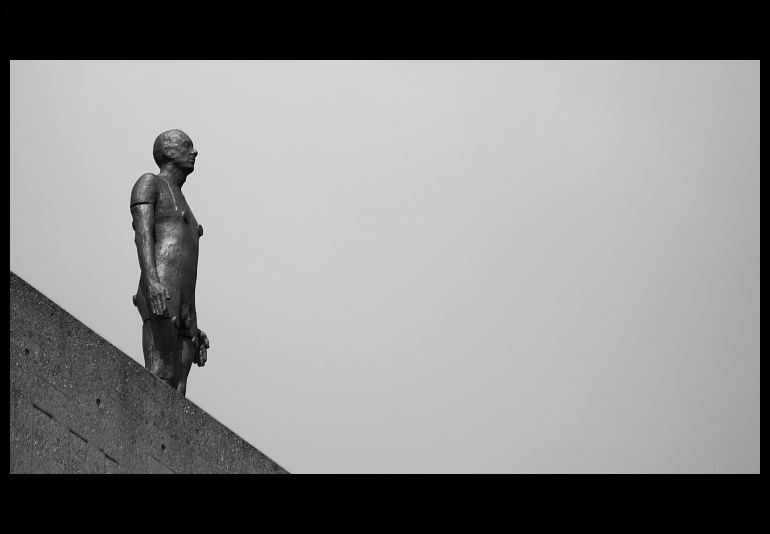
(168, 151)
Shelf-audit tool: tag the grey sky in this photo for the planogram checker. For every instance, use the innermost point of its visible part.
(427, 267)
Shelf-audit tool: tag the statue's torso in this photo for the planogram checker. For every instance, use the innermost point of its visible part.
(176, 251)
(176, 237)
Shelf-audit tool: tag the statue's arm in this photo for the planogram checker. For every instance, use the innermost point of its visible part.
(143, 214)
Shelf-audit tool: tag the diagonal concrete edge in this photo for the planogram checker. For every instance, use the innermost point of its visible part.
(80, 405)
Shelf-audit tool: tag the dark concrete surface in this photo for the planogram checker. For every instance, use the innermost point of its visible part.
(80, 405)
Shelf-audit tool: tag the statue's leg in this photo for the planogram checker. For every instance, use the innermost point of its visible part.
(159, 344)
(147, 345)
(185, 351)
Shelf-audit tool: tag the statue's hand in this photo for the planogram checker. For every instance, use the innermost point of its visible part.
(157, 294)
(202, 355)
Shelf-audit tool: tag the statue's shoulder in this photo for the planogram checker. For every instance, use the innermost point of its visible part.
(145, 190)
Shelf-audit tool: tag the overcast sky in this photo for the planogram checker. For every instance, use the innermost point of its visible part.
(427, 266)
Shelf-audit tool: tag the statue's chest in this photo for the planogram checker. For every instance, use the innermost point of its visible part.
(172, 207)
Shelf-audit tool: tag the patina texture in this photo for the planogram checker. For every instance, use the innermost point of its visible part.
(167, 235)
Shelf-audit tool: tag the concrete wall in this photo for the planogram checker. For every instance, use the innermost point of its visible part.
(79, 405)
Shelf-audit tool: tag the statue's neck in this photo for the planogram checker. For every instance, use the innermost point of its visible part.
(173, 176)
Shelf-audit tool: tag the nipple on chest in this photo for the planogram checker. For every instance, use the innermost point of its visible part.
(200, 230)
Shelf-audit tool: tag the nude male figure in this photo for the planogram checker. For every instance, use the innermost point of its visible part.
(166, 234)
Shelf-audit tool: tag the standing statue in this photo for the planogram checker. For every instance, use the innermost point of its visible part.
(166, 236)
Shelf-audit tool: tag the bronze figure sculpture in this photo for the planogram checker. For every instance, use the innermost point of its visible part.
(166, 236)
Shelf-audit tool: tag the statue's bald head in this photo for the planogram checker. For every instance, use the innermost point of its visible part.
(164, 141)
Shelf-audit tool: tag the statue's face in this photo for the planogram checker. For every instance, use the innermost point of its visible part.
(182, 152)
